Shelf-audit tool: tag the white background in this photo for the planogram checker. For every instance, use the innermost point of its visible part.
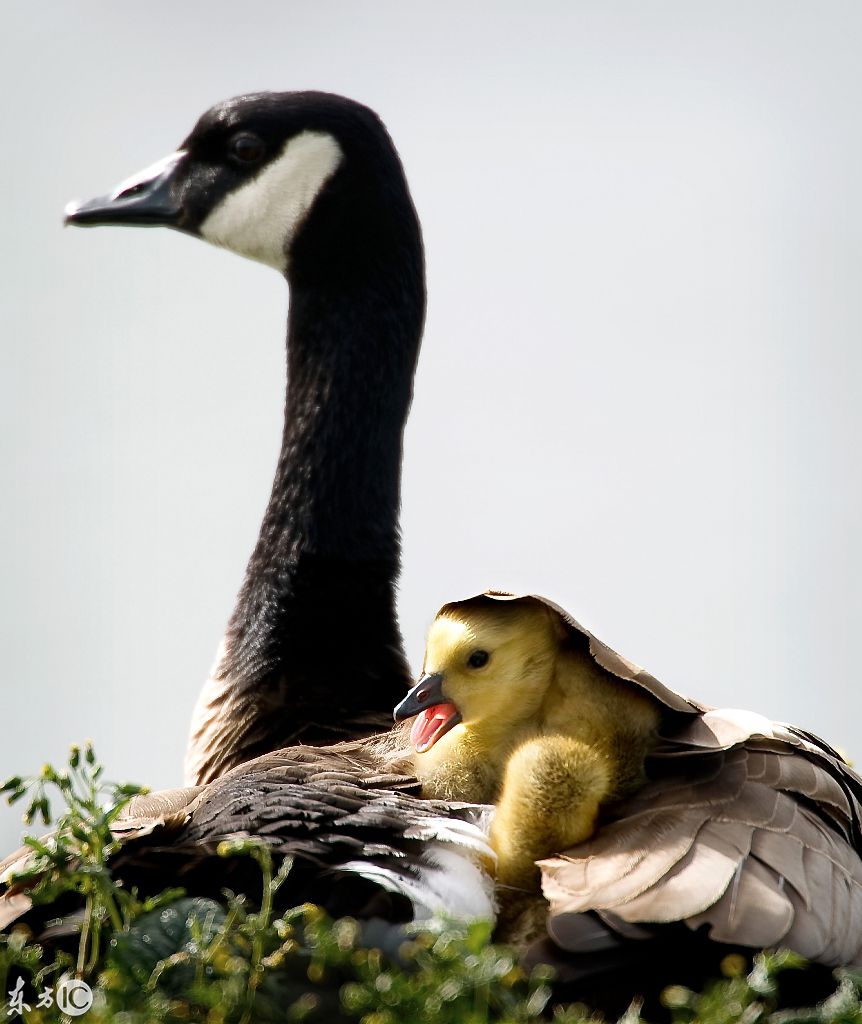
(639, 387)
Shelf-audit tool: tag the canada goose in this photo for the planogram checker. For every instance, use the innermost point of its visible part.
(310, 184)
(717, 819)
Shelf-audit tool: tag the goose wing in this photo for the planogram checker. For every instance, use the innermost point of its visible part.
(344, 817)
(747, 827)
(364, 842)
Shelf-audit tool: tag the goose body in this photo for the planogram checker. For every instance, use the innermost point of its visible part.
(742, 833)
(309, 184)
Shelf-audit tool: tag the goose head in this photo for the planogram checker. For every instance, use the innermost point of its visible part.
(257, 169)
(488, 666)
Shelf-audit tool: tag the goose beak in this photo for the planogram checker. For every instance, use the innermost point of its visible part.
(427, 693)
(435, 713)
(147, 198)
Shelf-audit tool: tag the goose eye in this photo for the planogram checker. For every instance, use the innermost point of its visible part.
(478, 658)
(246, 147)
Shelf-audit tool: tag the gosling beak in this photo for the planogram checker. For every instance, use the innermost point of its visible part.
(147, 198)
(437, 714)
(427, 693)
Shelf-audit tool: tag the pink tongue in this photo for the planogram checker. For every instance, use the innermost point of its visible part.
(428, 726)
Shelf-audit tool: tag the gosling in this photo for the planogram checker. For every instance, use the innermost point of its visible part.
(510, 711)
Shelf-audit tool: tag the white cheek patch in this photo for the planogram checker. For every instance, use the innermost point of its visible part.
(260, 218)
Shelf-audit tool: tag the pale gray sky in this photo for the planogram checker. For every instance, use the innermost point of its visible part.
(639, 387)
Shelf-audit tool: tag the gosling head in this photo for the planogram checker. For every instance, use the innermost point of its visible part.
(256, 170)
(488, 665)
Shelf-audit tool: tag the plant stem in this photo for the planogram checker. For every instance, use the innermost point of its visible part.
(94, 944)
(85, 937)
(261, 922)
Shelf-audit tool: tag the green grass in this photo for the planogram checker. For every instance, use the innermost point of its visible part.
(180, 958)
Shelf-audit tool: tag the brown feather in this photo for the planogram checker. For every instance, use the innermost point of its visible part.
(771, 861)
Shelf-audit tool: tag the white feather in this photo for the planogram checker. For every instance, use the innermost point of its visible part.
(452, 880)
(468, 835)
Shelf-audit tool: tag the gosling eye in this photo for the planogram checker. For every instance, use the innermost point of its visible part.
(478, 659)
(246, 148)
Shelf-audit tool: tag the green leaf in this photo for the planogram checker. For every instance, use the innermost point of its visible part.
(12, 784)
(159, 934)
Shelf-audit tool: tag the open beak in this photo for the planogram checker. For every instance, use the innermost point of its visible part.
(437, 714)
(147, 198)
(427, 693)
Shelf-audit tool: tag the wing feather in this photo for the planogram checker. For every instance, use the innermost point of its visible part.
(747, 827)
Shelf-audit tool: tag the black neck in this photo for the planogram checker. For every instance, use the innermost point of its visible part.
(314, 642)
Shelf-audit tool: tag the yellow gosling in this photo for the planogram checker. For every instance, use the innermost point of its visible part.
(553, 787)
(509, 711)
